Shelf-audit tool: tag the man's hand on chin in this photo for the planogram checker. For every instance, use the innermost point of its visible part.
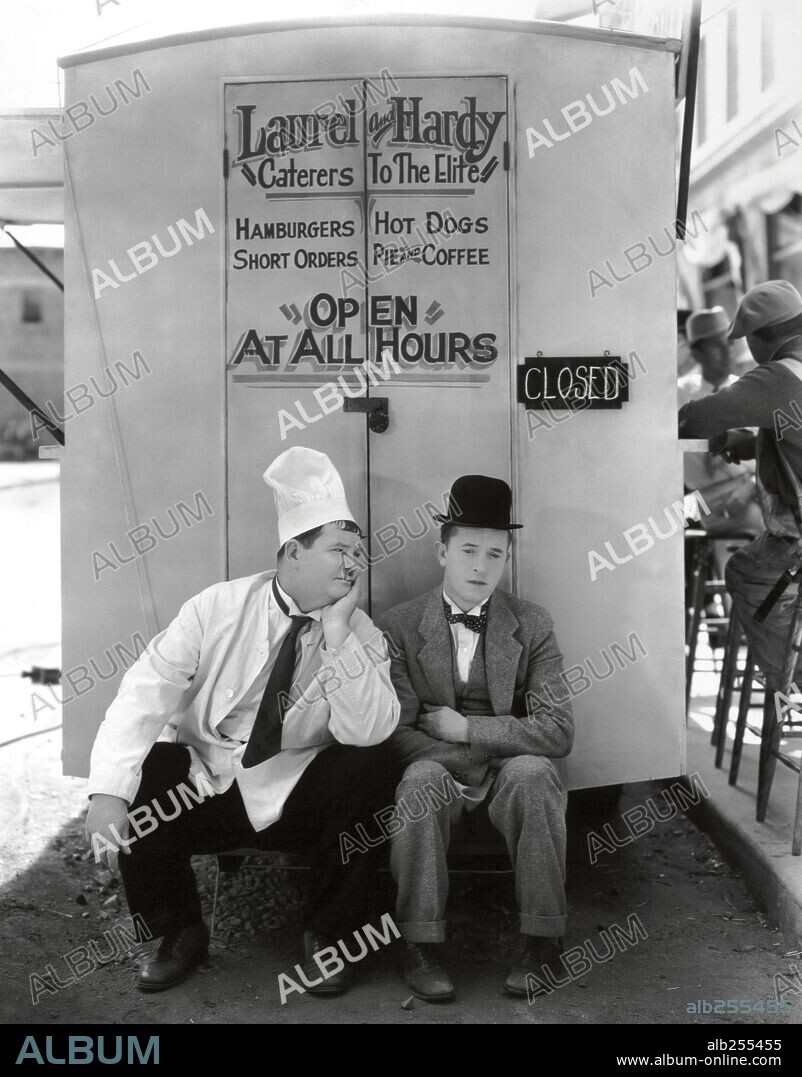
(336, 618)
(446, 724)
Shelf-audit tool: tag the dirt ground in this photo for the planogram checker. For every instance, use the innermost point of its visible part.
(706, 940)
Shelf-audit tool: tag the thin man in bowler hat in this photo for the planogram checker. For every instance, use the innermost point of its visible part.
(467, 660)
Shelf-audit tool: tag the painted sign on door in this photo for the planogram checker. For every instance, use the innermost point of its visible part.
(367, 273)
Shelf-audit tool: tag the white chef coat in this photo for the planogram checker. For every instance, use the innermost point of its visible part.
(204, 668)
(238, 724)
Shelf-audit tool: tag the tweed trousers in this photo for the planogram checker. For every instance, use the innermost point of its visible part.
(526, 804)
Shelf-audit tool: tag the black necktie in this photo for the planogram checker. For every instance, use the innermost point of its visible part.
(475, 624)
(265, 739)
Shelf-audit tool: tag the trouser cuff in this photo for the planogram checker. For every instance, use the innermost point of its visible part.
(545, 926)
(423, 931)
(170, 923)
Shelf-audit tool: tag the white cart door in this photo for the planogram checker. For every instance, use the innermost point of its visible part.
(294, 213)
(438, 303)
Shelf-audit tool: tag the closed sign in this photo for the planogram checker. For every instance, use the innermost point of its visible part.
(552, 382)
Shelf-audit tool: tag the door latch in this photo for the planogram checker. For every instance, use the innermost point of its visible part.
(377, 409)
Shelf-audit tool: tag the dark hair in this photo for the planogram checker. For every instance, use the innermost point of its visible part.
(308, 538)
(770, 333)
(447, 530)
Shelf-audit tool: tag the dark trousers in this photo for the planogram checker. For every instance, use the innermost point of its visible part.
(342, 786)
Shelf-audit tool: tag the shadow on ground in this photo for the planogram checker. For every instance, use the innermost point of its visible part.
(706, 940)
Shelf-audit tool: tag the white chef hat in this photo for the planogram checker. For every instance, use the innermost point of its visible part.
(308, 491)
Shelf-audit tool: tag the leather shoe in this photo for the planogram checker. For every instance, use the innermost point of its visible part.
(178, 952)
(423, 974)
(333, 983)
(538, 953)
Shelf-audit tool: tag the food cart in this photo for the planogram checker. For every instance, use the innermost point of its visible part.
(426, 246)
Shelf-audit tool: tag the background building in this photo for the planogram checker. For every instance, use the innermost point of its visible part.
(746, 174)
(31, 345)
(31, 306)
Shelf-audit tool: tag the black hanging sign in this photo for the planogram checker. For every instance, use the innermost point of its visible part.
(548, 382)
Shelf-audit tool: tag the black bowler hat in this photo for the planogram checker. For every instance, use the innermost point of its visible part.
(479, 501)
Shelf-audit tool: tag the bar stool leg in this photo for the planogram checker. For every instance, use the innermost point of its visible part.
(796, 844)
(792, 656)
(701, 568)
(740, 726)
(771, 734)
(728, 670)
(767, 764)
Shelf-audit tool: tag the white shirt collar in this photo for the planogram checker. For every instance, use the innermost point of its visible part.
(475, 612)
(292, 605)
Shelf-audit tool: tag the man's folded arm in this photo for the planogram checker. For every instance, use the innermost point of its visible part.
(751, 401)
(413, 744)
(548, 727)
(358, 686)
(149, 693)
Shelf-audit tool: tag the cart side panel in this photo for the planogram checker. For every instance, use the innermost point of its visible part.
(161, 440)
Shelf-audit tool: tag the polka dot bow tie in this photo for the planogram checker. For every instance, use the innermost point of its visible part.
(475, 624)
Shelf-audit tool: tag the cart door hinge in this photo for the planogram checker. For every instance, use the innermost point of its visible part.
(225, 164)
(506, 156)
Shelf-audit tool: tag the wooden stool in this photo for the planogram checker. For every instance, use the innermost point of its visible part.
(729, 674)
(750, 675)
(780, 721)
(702, 581)
(701, 553)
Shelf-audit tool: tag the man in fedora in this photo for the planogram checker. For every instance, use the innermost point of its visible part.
(728, 489)
(273, 693)
(486, 719)
(706, 333)
(770, 398)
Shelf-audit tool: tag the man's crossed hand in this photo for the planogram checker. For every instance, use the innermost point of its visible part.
(446, 724)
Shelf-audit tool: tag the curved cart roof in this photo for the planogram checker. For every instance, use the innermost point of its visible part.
(534, 26)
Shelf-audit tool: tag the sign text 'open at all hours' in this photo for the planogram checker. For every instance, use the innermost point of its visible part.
(355, 230)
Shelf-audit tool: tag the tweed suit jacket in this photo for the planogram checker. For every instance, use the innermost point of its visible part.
(530, 701)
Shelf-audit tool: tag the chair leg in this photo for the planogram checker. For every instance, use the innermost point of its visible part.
(769, 743)
(728, 670)
(740, 726)
(214, 899)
